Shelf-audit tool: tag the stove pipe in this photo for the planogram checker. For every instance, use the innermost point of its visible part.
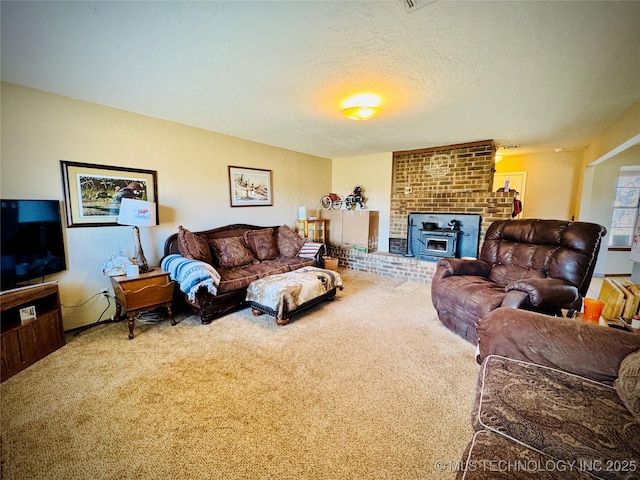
(409, 227)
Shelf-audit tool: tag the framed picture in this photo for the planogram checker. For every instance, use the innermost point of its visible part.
(250, 187)
(93, 193)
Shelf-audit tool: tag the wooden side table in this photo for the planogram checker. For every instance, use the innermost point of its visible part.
(146, 291)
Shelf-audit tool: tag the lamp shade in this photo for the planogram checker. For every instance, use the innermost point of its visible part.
(137, 212)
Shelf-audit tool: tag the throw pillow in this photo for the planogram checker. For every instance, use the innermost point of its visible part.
(262, 243)
(628, 383)
(231, 251)
(289, 242)
(193, 246)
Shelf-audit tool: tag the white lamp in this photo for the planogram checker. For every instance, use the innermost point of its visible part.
(138, 213)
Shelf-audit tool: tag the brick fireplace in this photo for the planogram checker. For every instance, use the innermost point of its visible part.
(451, 181)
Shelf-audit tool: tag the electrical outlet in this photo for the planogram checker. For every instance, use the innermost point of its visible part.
(105, 293)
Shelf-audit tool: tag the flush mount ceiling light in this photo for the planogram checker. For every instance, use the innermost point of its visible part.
(360, 112)
(362, 106)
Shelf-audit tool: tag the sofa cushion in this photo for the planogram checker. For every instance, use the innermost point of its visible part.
(192, 246)
(237, 278)
(628, 383)
(289, 242)
(232, 251)
(262, 243)
(241, 277)
(297, 262)
(564, 416)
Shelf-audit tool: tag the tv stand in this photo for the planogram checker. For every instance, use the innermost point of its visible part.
(24, 342)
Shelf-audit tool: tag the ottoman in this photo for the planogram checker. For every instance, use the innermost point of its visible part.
(287, 294)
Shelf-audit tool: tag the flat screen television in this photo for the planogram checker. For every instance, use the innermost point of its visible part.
(32, 241)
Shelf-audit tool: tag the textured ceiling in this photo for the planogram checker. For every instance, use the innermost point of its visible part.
(539, 74)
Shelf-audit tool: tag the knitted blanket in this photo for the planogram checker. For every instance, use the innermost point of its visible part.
(191, 275)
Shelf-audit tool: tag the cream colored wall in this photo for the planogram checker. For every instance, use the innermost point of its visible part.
(373, 173)
(552, 182)
(40, 129)
(601, 208)
(605, 154)
(622, 134)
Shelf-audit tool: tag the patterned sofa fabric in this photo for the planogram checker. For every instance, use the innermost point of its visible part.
(564, 417)
(238, 278)
(490, 456)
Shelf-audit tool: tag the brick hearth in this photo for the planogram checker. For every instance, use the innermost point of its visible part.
(383, 263)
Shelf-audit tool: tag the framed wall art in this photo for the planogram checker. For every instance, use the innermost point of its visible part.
(92, 193)
(250, 187)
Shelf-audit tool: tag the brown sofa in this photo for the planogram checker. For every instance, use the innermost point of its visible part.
(539, 265)
(556, 398)
(239, 254)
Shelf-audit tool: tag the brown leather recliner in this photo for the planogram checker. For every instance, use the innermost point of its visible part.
(539, 265)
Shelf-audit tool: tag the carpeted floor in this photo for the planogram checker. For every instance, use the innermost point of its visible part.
(368, 386)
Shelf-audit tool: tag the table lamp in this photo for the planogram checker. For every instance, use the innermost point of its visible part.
(138, 213)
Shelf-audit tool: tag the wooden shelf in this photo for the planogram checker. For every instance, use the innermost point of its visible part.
(312, 230)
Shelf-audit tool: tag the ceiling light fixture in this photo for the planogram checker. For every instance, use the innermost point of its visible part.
(361, 107)
(361, 112)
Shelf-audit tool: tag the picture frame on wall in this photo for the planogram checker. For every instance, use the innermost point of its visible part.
(250, 187)
(92, 193)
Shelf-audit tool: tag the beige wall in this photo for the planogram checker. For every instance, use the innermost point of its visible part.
(40, 129)
(552, 182)
(601, 208)
(605, 154)
(622, 134)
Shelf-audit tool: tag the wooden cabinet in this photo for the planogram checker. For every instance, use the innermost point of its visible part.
(312, 230)
(22, 343)
(145, 291)
(355, 230)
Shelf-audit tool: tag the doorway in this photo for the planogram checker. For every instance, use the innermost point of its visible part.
(517, 182)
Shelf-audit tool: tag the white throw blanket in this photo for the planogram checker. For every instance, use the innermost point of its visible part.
(191, 275)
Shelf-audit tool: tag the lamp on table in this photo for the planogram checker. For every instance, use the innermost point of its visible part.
(138, 213)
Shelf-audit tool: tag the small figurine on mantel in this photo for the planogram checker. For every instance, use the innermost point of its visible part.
(355, 198)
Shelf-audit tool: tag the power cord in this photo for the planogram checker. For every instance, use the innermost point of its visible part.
(103, 292)
(149, 317)
(77, 331)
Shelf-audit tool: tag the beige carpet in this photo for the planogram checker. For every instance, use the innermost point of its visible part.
(369, 386)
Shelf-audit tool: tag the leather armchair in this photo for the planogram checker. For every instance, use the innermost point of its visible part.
(538, 265)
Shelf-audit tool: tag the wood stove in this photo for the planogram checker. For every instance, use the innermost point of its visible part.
(438, 243)
(431, 236)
